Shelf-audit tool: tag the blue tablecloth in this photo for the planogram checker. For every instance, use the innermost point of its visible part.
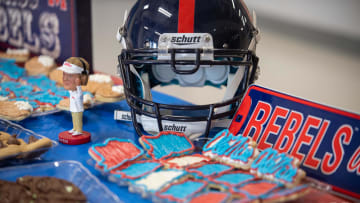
(98, 120)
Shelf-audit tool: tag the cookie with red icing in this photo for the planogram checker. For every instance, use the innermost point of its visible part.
(114, 152)
(166, 144)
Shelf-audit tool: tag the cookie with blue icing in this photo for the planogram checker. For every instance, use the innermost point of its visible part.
(135, 169)
(238, 151)
(207, 170)
(166, 144)
(41, 82)
(233, 178)
(279, 167)
(181, 191)
(10, 71)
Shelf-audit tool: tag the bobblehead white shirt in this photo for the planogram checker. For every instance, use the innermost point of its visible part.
(76, 100)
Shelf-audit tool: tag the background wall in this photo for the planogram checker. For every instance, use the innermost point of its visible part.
(308, 49)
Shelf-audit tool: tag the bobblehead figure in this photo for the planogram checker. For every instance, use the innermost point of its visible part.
(75, 74)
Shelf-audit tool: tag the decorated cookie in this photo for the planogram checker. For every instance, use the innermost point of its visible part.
(114, 152)
(108, 93)
(279, 167)
(40, 65)
(181, 162)
(209, 169)
(260, 189)
(136, 169)
(10, 71)
(39, 82)
(233, 178)
(15, 110)
(211, 197)
(155, 181)
(182, 190)
(238, 151)
(166, 144)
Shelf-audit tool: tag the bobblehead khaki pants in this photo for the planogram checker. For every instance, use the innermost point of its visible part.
(77, 121)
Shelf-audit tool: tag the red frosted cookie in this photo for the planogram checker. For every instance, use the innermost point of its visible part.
(166, 144)
(114, 152)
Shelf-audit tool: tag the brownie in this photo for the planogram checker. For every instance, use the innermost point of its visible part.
(38, 189)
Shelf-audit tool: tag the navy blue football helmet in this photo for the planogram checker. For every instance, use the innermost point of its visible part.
(189, 43)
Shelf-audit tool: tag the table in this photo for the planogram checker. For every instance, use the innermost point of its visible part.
(99, 120)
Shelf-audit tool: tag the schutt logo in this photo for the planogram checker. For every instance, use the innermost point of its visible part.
(184, 40)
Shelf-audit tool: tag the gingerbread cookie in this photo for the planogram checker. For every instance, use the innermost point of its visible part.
(108, 93)
(40, 65)
(15, 110)
(19, 55)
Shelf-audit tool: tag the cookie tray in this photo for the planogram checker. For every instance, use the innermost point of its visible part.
(72, 171)
(22, 133)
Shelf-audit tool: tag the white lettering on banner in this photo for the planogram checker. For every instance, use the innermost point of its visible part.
(15, 28)
(4, 33)
(31, 41)
(16, 37)
(32, 4)
(49, 34)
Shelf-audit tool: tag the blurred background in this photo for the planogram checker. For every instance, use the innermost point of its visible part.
(308, 49)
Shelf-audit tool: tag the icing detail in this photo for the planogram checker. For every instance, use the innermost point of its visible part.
(46, 61)
(154, 181)
(22, 105)
(186, 160)
(136, 169)
(180, 191)
(210, 196)
(41, 81)
(114, 152)
(118, 89)
(12, 70)
(271, 164)
(100, 78)
(257, 189)
(209, 169)
(231, 149)
(233, 179)
(158, 146)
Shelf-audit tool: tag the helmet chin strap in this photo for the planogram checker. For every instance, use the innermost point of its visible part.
(191, 129)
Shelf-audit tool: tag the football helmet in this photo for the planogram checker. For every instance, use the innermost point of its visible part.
(189, 43)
